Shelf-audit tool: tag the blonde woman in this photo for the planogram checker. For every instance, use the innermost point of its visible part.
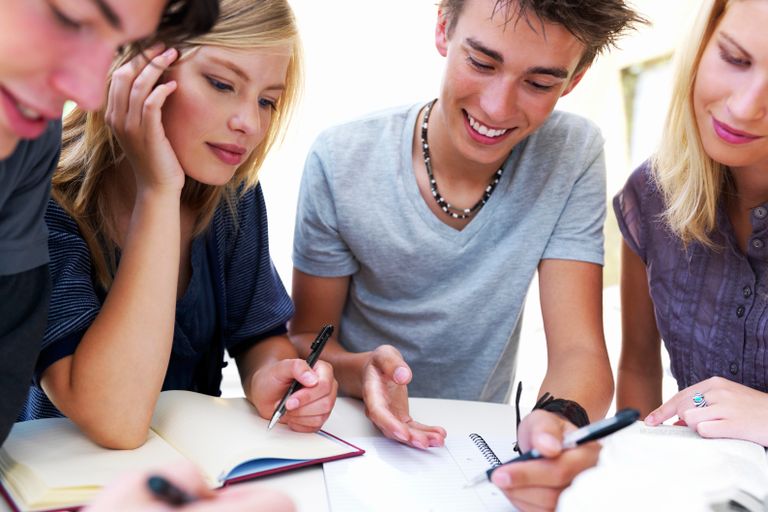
(158, 235)
(695, 226)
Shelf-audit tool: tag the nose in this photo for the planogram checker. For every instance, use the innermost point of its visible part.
(749, 101)
(500, 101)
(246, 119)
(81, 75)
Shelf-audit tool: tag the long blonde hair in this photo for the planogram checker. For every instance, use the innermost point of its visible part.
(89, 147)
(690, 181)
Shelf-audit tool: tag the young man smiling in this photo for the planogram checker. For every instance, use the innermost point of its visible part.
(419, 231)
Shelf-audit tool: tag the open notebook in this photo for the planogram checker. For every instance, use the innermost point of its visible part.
(50, 465)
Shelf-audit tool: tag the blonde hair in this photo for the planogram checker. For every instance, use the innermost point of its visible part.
(690, 181)
(89, 147)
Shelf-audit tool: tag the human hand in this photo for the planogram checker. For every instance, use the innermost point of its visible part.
(308, 408)
(385, 394)
(134, 113)
(536, 485)
(131, 494)
(732, 410)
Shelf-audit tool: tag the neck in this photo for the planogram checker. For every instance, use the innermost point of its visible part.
(751, 186)
(447, 161)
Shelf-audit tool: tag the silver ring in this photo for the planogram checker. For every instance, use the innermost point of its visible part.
(699, 401)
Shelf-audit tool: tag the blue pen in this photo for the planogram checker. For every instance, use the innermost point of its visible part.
(591, 432)
(165, 491)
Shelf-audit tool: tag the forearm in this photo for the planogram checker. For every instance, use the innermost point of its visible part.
(583, 376)
(639, 387)
(110, 385)
(347, 366)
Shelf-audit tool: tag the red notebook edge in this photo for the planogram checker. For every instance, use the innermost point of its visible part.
(356, 451)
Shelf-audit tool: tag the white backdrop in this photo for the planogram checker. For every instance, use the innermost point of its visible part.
(360, 56)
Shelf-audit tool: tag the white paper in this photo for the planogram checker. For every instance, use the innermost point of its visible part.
(391, 476)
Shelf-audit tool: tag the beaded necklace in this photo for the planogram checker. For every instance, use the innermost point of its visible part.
(445, 206)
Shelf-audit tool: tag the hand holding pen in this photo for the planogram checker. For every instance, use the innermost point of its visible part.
(573, 439)
(314, 355)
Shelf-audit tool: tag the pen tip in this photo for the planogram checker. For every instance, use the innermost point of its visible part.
(273, 421)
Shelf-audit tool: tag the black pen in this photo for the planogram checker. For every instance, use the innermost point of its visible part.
(162, 489)
(314, 354)
(596, 430)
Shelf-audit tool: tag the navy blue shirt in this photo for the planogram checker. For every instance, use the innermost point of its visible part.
(234, 299)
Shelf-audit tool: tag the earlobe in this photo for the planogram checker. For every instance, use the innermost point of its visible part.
(441, 38)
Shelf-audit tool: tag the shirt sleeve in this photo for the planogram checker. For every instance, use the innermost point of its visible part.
(318, 247)
(23, 233)
(258, 305)
(74, 299)
(628, 207)
(23, 314)
(578, 234)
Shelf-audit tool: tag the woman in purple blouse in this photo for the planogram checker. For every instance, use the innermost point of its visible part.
(695, 225)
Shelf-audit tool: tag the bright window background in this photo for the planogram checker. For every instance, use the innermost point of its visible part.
(363, 56)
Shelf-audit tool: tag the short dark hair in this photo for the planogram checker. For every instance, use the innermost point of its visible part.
(598, 24)
(184, 19)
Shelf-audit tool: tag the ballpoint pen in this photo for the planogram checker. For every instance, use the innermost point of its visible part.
(314, 354)
(591, 432)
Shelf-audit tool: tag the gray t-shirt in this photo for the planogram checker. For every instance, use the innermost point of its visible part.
(451, 301)
(25, 183)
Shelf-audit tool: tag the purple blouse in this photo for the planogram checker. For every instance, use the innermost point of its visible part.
(711, 306)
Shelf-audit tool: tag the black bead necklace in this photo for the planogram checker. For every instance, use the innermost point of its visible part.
(448, 208)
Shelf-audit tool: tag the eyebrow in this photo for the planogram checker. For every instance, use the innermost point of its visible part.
(536, 70)
(239, 72)
(734, 43)
(109, 14)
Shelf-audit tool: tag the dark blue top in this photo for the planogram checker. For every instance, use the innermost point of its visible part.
(711, 306)
(234, 299)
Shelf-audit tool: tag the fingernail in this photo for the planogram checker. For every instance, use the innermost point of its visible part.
(170, 52)
(401, 375)
(501, 479)
(419, 444)
(649, 419)
(308, 378)
(292, 404)
(401, 436)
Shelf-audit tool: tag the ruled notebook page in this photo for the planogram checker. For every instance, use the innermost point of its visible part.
(391, 476)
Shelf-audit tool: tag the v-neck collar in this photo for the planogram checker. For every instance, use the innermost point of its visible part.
(418, 203)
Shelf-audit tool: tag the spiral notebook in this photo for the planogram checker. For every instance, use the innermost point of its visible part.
(432, 480)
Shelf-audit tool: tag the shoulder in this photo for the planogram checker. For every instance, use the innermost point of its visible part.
(34, 159)
(568, 129)
(640, 191)
(369, 134)
(58, 220)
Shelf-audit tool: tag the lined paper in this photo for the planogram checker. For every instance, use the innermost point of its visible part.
(392, 476)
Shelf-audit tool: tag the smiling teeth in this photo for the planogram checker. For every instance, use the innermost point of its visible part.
(484, 130)
(28, 112)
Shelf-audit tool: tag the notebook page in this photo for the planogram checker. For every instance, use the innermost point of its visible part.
(218, 434)
(392, 476)
(675, 468)
(62, 457)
